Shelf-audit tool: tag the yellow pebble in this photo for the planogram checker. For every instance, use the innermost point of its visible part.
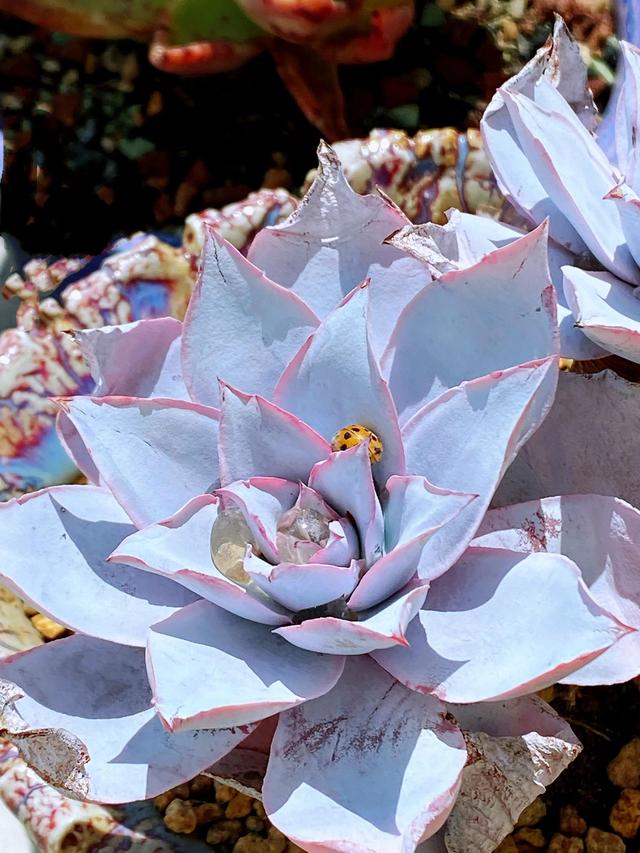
(49, 629)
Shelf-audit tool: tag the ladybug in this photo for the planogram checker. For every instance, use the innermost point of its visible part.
(354, 434)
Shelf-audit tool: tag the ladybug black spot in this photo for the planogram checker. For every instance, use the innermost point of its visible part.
(343, 447)
(347, 435)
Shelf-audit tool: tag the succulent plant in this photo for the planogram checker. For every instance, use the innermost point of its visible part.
(539, 132)
(272, 569)
(140, 278)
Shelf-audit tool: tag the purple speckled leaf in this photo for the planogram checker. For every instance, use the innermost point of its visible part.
(368, 730)
(602, 536)
(466, 647)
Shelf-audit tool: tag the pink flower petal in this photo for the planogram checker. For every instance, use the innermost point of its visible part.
(240, 326)
(244, 672)
(465, 646)
(154, 455)
(54, 546)
(367, 731)
(91, 729)
(466, 439)
(258, 438)
(345, 481)
(335, 381)
(180, 549)
(502, 308)
(414, 511)
(379, 628)
(602, 536)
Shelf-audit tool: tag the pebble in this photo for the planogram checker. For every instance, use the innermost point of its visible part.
(563, 844)
(252, 844)
(533, 813)
(224, 794)
(604, 842)
(162, 801)
(625, 815)
(208, 812)
(531, 837)
(624, 770)
(180, 816)
(202, 787)
(507, 846)
(49, 629)
(571, 823)
(240, 806)
(231, 830)
(277, 840)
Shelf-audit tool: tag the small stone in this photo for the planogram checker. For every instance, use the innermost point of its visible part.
(232, 828)
(251, 844)
(533, 813)
(625, 815)
(604, 842)
(293, 848)
(259, 810)
(162, 801)
(180, 816)
(510, 30)
(570, 821)
(49, 629)
(208, 812)
(254, 824)
(507, 846)
(563, 844)
(624, 770)
(217, 836)
(533, 837)
(278, 842)
(224, 794)
(202, 787)
(239, 806)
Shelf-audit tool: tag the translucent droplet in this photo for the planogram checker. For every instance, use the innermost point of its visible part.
(230, 536)
(302, 532)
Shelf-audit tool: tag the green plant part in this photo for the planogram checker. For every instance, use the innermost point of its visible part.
(308, 38)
